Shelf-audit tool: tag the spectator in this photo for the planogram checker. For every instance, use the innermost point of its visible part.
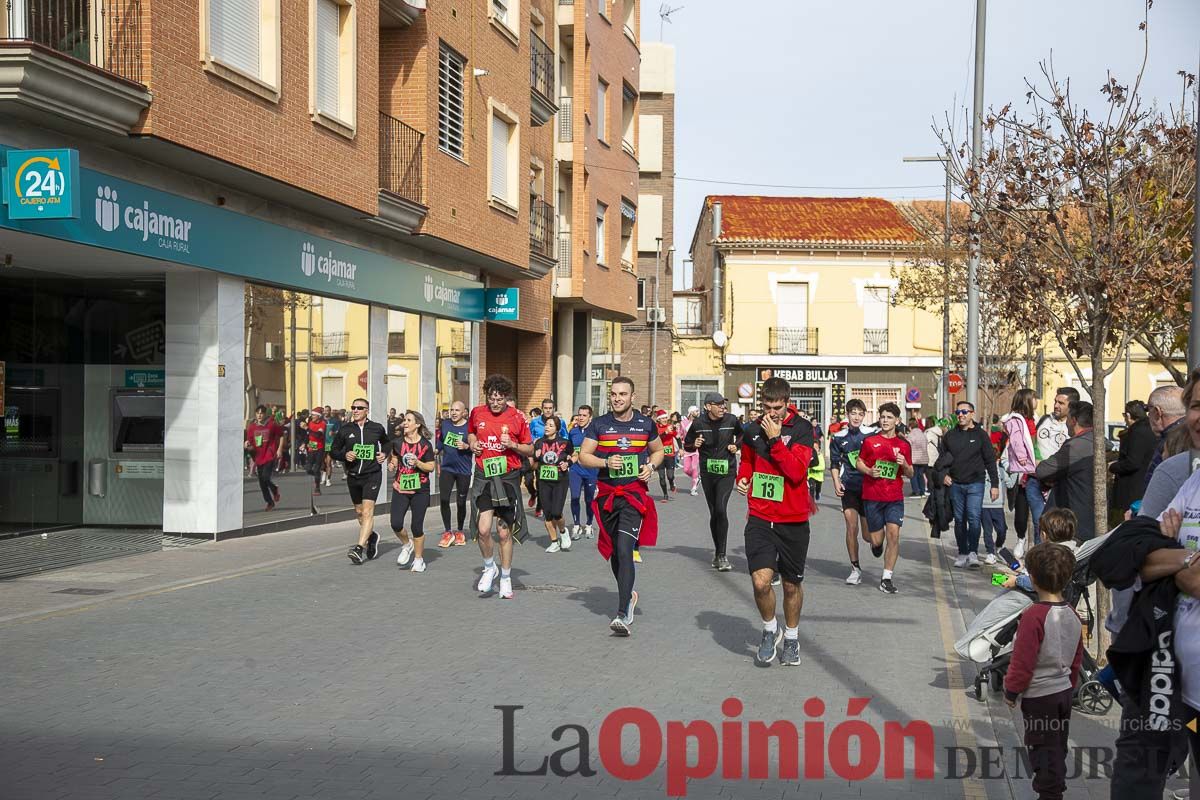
(1138, 446)
(1180, 451)
(968, 456)
(1166, 410)
(1069, 471)
(1052, 428)
(1020, 458)
(933, 435)
(920, 458)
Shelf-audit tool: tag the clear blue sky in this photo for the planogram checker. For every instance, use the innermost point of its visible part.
(835, 93)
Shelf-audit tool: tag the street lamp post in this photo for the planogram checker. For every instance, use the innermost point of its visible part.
(973, 243)
(944, 393)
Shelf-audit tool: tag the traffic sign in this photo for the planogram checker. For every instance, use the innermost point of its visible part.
(913, 396)
(41, 184)
(955, 383)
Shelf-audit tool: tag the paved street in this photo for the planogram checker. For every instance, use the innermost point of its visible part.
(270, 667)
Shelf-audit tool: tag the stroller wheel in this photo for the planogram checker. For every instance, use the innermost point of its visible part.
(1093, 698)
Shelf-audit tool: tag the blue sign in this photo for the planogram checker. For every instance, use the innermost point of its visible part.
(501, 305)
(145, 378)
(132, 218)
(41, 184)
(913, 396)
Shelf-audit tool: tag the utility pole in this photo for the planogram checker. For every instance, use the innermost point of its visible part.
(944, 392)
(1194, 331)
(654, 327)
(973, 258)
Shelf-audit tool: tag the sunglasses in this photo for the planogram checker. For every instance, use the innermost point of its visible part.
(358, 408)
(962, 412)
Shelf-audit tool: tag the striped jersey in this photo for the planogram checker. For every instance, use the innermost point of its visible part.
(629, 438)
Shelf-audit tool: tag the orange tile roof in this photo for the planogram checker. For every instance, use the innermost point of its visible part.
(823, 220)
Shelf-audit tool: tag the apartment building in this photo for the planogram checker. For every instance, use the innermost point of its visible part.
(281, 202)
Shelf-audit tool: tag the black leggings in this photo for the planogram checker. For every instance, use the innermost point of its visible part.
(553, 496)
(623, 524)
(1020, 507)
(666, 474)
(461, 484)
(401, 503)
(264, 472)
(716, 493)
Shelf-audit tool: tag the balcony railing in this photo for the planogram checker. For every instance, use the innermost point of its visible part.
(541, 67)
(105, 33)
(566, 130)
(541, 229)
(875, 340)
(564, 254)
(794, 341)
(400, 158)
(330, 345)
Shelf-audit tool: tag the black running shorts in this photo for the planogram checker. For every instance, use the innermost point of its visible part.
(485, 502)
(365, 486)
(781, 546)
(852, 500)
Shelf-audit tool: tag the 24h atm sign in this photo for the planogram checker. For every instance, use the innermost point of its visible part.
(41, 184)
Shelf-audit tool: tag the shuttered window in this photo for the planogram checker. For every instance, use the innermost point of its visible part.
(451, 101)
(501, 131)
(235, 35)
(602, 111)
(328, 35)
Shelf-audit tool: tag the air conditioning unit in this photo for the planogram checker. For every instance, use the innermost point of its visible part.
(274, 351)
(656, 315)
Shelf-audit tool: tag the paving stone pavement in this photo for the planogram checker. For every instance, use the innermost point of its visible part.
(270, 667)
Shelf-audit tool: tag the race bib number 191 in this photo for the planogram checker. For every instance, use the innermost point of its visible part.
(496, 465)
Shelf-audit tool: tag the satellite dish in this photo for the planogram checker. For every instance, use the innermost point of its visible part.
(720, 339)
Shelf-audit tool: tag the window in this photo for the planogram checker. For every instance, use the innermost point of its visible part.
(240, 42)
(602, 111)
(503, 160)
(791, 307)
(630, 21)
(687, 315)
(876, 300)
(500, 10)
(601, 211)
(333, 64)
(504, 15)
(451, 101)
(641, 294)
(628, 117)
(691, 393)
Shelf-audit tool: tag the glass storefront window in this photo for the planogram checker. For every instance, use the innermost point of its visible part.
(454, 364)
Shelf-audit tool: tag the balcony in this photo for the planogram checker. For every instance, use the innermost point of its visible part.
(331, 345)
(399, 13)
(875, 341)
(542, 244)
(794, 341)
(401, 196)
(541, 80)
(75, 59)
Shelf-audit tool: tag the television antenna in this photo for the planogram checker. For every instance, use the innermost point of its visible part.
(664, 14)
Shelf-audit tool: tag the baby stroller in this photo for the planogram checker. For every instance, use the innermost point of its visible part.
(989, 638)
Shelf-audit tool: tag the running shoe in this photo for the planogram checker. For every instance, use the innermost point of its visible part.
(532, 501)
(565, 538)
(418, 565)
(327, 483)
(316, 491)
(972, 560)
(619, 626)
(356, 554)
(768, 646)
(270, 507)
(877, 550)
(776, 581)
(637, 556)
(886, 586)
(275, 492)
(960, 562)
(1019, 550)
(460, 539)
(855, 577)
(406, 554)
(538, 513)
(587, 530)
(505, 588)
(989, 559)
(447, 540)
(487, 579)
(372, 546)
(554, 547)
(790, 657)
(723, 564)
(674, 490)
(576, 532)
(716, 561)
(695, 491)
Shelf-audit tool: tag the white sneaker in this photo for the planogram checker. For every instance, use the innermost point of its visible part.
(855, 577)
(960, 562)
(505, 588)
(565, 538)
(695, 491)
(1019, 550)
(487, 578)
(587, 530)
(418, 565)
(406, 554)
(576, 531)
(554, 547)
(973, 560)
(990, 559)
(327, 482)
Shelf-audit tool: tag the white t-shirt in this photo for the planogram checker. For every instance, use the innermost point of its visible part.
(1051, 433)
(1187, 609)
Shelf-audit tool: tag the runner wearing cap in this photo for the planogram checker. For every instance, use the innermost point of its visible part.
(844, 447)
(715, 436)
(774, 477)
(363, 446)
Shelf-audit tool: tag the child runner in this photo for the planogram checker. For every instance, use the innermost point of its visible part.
(412, 460)
(552, 456)
(885, 461)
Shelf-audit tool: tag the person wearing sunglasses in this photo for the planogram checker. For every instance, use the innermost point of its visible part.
(968, 455)
(361, 444)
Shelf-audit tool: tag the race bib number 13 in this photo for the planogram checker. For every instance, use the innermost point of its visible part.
(767, 487)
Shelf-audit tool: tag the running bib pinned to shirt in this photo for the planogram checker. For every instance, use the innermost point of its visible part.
(669, 451)
(452, 439)
(364, 452)
(887, 469)
(716, 466)
(767, 487)
(629, 467)
(548, 472)
(258, 440)
(852, 457)
(410, 482)
(496, 465)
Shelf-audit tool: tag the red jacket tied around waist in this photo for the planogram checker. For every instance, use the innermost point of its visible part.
(636, 495)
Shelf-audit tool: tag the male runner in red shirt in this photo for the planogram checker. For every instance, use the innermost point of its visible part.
(264, 440)
(316, 448)
(885, 460)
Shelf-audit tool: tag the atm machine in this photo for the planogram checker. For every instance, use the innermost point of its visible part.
(123, 447)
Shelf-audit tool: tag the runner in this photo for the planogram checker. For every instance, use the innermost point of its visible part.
(583, 480)
(667, 432)
(412, 460)
(318, 428)
(363, 446)
(552, 455)
(456, 473)
(847, 480)
(264, 441)
(774, 477)
(499, 437)
(716, 436)
(885, 462)
(537, 429)
(625, 447)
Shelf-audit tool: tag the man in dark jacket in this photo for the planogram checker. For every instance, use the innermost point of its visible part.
(363, 446)
(967, 455)
(1138, 443)
(717, 436)
(1068, 472)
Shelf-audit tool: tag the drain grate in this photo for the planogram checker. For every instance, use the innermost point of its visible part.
(548, 587)
(82, 590)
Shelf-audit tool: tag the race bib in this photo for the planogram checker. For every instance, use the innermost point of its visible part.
(452, 439)
(887, 469)
(669, 451)
(496, 465)
(364, 452)
(852, 457)
(716, 466)
(548, 472)
(258, 440)
(767, 487)
(629, 467)
(410, 482)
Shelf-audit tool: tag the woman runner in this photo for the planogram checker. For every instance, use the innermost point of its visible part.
(552, 456)
(412, 460)
(667, 431)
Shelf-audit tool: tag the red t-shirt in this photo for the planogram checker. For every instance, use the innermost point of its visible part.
(264, 439)
(667, 433)
(316, 434)
(489, 427)
(879, 448)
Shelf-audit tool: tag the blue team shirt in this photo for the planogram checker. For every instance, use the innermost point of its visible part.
(614, 437)
(841, 445)
(577, 435)
(455, 461)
